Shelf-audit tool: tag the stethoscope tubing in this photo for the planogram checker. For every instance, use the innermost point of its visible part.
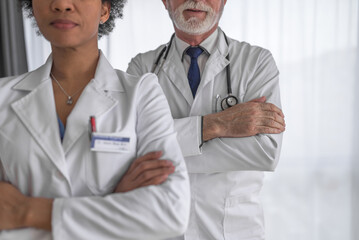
(165, 51)
(228, 101)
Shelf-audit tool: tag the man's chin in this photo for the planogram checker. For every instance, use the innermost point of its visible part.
(193, 31)
(193, 27)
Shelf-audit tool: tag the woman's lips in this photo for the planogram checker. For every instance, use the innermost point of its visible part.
(63, 24)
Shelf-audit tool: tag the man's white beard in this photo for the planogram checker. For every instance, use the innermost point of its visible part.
(194, 26)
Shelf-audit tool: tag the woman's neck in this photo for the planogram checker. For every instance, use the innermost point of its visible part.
(72, 64)
(72, 70)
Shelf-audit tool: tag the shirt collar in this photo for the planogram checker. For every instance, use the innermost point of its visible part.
(208, 45)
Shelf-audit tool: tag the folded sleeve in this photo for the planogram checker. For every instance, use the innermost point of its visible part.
(258, 153)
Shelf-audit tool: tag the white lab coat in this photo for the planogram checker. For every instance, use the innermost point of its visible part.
(82, 181)
(225, 173)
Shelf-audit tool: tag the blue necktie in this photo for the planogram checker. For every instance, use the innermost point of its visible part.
(193, 73)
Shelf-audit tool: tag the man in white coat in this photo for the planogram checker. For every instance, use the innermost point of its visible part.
(203, 72)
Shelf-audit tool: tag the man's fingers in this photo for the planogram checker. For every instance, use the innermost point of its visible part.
(275, 124)
(261, 100)
(269, 130)
(265, 126)
(267, 110)
(275, 117)
(146, 157)
(271, 107)
(250, 118)
(267, 106)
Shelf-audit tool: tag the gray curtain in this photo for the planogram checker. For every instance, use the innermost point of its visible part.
(12, 43)
(355, 177)
(355, 185)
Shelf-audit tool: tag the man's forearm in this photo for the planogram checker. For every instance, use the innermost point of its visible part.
(244, 120)
(210, 128)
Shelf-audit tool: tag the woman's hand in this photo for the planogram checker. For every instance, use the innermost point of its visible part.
(13, 207)
(18, 210)
(144, 171)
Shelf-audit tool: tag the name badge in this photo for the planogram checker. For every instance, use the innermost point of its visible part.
(107, 142)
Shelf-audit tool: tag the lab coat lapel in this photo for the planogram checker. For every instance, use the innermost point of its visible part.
(37, 112)
(175, 72)
(216, 63)
(93, 101)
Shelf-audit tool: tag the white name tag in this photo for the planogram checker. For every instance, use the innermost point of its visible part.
(107, 142)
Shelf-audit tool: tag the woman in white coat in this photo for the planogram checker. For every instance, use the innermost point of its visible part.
(58, 180)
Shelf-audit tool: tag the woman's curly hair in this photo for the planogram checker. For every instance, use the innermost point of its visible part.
(105, 28)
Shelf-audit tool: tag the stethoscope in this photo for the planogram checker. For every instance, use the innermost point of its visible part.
(229, 101)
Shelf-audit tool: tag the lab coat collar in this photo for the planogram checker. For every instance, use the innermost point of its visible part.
(175, 71)
(208, 45)
(215, 42)
(222, 46)
(37, 109)
(216, 63)
(104, 70)
(33, 79)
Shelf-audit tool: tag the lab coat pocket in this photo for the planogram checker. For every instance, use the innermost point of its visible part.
(243, 218)
(105, 168)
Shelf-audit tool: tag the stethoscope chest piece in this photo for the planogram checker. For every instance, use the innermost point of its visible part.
(228, 102)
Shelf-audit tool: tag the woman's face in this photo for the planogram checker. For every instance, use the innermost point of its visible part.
(70, 23)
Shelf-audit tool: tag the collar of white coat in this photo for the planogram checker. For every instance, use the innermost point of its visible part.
(212, 43)
(104, 70)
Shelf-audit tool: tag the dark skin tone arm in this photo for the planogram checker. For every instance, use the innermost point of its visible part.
(20, 211)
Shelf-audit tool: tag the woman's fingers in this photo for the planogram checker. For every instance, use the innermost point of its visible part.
(146, 157)
(147, 175)
(146, 166)
(144, 171)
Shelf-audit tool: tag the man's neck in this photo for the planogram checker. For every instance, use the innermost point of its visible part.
(194, 40)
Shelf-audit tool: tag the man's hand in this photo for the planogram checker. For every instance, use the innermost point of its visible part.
(244, 120)
(18, 210)
(144, 171)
